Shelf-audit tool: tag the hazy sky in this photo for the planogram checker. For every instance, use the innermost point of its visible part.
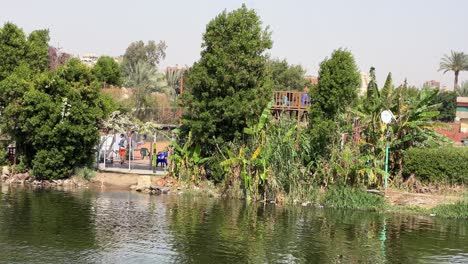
(405, 37)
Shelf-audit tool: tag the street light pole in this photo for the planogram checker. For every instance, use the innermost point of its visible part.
(386, 117)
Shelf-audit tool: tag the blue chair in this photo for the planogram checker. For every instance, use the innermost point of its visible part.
(161, 158)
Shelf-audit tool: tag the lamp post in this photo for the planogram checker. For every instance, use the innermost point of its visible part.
(386, 117)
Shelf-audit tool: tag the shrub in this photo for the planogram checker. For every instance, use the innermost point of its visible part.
(437, 165)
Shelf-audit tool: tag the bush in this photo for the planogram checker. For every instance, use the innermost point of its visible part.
(437, 165)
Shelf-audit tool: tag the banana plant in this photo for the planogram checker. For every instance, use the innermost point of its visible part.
(186, 160)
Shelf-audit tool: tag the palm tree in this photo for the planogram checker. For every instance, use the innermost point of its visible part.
(456, 62)
(145, 79)
(463, 89)
(173, 78)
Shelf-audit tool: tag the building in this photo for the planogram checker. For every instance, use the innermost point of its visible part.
(462, 113)
(89, 59)
(432, 84)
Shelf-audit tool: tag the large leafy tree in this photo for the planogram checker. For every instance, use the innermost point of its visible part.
(337, 89)
(456, 62)
(228, 87)
(16, 49)
(287, 77)
(13, 48)
(150, 53)
(53, 117)
(107, 71)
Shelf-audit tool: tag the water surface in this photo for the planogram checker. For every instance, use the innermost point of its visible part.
(85, 226)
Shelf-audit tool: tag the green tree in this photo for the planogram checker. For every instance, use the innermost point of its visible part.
(456, 62)
(144, 79)
(228, 87)
(13, 49)
(38, 50)
(337, 89)
(16, 49)
(173, 79)
(287, 77)
(150, 53)
(107, 71)
(54, 117)
(448, 105)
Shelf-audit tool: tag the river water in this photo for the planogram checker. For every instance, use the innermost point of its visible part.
(86, 226)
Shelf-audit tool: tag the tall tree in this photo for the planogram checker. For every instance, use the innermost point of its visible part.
(287, 77)
(38, 50)
(150, 53)
(456, 62)
(228, 87)
(13, 49)
(337, 89)
(16, 49)
(107, 71)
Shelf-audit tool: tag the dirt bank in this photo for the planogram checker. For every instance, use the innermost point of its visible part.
(423, 200)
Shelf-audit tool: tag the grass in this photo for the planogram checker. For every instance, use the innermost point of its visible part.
(353, 198)
(457, 210)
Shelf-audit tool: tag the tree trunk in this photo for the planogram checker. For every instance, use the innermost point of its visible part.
(455, 85)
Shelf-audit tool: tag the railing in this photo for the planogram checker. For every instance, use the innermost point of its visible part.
(287, 100)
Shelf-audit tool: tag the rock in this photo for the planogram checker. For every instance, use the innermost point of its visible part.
(6, 170)
(133, 187)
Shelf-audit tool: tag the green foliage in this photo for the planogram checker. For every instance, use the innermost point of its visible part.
(437, 165)
(107, 71)
(13, 48)
(287, 77)
(353, 198)
(448, 105)
(145, 79)
(187, 161)
(173, 79)
(3, 155)
(228, 88)
(457, 210)
(56, 126)
(463, 89)
(16, 49)
(85, 173)
(37, 55)
(339, 80)
(137, 52)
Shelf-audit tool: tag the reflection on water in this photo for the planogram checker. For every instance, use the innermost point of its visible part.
(83, 226)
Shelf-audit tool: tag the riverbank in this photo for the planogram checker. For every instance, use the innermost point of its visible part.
(394, 200)
(453, 204)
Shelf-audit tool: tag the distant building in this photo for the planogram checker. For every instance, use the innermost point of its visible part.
(432, 84)
(462, 113)
(365, 79)
(89, 59)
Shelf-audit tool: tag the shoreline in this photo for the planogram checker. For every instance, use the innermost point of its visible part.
(395, 201)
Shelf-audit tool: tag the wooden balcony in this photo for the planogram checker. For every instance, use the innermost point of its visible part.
(290, 101)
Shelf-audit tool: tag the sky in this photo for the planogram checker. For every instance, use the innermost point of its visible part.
(405, 37)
